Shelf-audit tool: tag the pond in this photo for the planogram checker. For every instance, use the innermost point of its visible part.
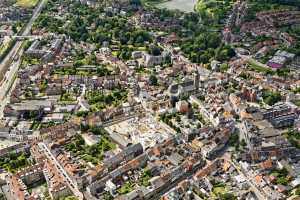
(182, 5)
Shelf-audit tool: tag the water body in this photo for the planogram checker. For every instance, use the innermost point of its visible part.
(182, 5)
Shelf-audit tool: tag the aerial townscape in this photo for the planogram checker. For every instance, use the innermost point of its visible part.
(150, 99)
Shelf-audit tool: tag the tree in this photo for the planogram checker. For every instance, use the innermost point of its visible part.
(140, 36)
(102, 71)
(14, 28)
(93, 150)
(124, 38)
(153, 80)
(284, 72)
(270, 97)
(135, 2)
(2, 196)
(154, 50)
(145, 177)
(107, 196)
(224, 67)
(233, 139)
(228, 196)
(108, 99)
(91, 59)
(125, 53)
(243, 143)
(98, 131)
(204, 58)
(69, 198)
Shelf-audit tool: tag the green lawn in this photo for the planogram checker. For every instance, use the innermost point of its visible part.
(145, 177)
(93, 153)
(281, 175)
(27, 3)
(3, 48)
(294, 138)
(218, 189)
(271, 97)
(68, 97)
(126, 188)
(297, 102)
(14, 161)
(256, 66)
(103, 99)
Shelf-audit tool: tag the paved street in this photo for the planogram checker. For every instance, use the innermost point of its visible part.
(26, 32)
(250, 181)
(16, 52)
(8, 84)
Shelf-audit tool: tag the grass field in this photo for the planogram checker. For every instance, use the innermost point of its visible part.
(259, 67)
(182, 5)
(297, 102)
(27, 3)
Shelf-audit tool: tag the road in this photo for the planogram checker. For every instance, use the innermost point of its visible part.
(35, 15)
(11, 66)
(6, 61)
(27, 37)
(81, 98)
(173, 184)
(8, 84)
(250, 180)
